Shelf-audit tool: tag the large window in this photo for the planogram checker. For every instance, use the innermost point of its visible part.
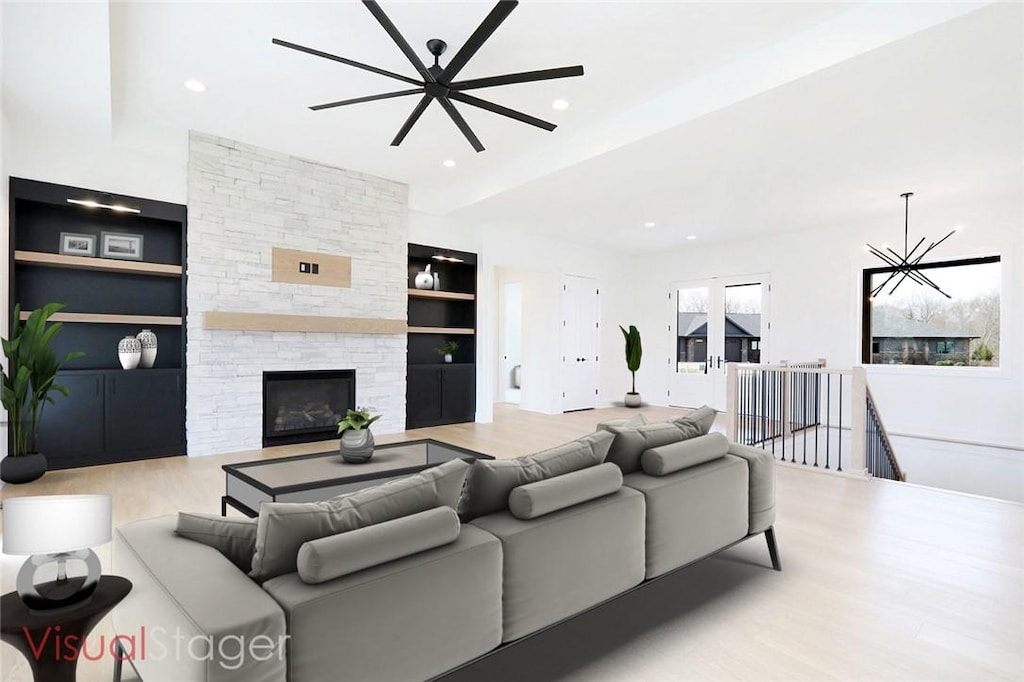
(918, 325)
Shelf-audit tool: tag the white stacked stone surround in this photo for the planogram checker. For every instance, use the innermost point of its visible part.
(242, 202)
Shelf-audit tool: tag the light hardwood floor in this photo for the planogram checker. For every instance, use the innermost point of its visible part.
(880, 580)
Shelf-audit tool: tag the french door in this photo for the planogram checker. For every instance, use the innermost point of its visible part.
(714, 322)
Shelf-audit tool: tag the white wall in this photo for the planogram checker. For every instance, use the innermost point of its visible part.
(815, 304)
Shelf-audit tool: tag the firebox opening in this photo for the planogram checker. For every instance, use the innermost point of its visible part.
(305, 406)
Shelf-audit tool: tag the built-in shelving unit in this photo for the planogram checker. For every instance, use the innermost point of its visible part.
(442, 330)
(57, 260)
(444, 295)
(111, 415)
(440, 392)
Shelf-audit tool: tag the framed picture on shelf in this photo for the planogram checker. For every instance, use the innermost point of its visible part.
(121, 245)
(74, 244)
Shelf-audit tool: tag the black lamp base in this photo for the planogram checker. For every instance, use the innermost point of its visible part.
(59, 594)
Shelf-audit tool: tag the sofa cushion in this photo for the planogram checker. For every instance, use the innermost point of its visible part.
(235, 538)
(491, 480)
(413, 618)
(684, 454)
(637, 420)
(559, 564)
(631, 441)
(543, 497)
(284, 526)
(697, 423)
(337, 555)
(692, 512)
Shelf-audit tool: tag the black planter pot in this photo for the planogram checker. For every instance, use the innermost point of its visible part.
(22, 469)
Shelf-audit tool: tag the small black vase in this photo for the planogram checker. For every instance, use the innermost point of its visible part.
(23, 469)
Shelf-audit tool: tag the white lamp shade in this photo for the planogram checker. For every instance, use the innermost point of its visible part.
(48, 524)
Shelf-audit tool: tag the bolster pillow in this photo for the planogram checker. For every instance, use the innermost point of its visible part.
(543, 497)
(684, 454)
(337, 555)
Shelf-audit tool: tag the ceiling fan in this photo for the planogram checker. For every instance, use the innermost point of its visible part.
(437, 82)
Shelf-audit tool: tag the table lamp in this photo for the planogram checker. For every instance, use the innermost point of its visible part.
(56, 529)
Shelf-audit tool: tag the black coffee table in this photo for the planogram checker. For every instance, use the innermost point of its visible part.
(309, 478)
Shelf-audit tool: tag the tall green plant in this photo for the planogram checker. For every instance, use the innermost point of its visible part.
(634, 351)
(31, 374)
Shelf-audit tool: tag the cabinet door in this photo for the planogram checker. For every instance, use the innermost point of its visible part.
(71, 431)
(423, 396)
(145, 413)
(458, 393)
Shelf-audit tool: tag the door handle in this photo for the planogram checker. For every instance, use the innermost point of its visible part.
(719, 365)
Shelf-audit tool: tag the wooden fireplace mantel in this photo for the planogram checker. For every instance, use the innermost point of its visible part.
(272, 322)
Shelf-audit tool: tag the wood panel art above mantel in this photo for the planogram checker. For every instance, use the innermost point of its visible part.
(272, 322)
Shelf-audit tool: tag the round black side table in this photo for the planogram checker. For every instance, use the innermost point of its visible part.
(35, 633)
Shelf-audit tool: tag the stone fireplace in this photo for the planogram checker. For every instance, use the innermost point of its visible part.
(305, 406)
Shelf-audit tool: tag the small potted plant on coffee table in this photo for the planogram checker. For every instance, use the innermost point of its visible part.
(356, 438)
(446, 349)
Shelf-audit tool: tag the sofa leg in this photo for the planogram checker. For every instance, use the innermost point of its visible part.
(773, 549)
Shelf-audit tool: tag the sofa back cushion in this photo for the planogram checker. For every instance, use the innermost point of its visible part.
(233, 537)
(284, 526)
(553, 494)
(490, 481)
(636, 420)
(631, 441)
(684, 454)
(334, 556)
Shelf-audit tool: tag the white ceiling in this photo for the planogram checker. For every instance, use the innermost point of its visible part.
(715, 119)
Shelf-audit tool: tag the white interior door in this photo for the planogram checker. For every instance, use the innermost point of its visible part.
(715, 322)
(579, 343)
(510, 372)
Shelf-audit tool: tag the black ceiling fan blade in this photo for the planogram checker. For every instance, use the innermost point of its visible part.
(349, 62)
(402, 43)
(461, 123)
(488, 26)
(368, 98)
(524, 77)
(411, 121)
(503, 111)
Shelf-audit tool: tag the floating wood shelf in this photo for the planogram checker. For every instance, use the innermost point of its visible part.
(270, 322)
(57, 260)
(442, 330)
(446, 295)
(105, 318)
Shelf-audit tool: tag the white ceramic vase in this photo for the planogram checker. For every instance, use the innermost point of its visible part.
(148, 341)
(129, 352)
(424, 280)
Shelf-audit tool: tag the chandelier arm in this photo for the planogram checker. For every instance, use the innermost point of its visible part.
(878, 289)
(901, 267)
(916, 247)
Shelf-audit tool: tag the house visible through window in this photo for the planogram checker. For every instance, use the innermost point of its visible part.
(918, 325)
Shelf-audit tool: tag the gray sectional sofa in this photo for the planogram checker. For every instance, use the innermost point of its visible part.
(388, 583)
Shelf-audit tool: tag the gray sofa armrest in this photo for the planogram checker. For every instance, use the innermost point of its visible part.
(761, 467)
(338, 555)
(202, 618)
(543, 497)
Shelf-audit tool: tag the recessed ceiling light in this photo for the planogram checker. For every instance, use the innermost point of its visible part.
(195, 86)
(560, 105)
(448, 163)
(649, 224)
(692, 237)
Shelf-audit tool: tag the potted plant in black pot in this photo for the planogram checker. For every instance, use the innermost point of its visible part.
(28, 380)
(634, 352)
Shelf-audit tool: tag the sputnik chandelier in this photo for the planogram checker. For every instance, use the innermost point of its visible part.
(907, 264)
